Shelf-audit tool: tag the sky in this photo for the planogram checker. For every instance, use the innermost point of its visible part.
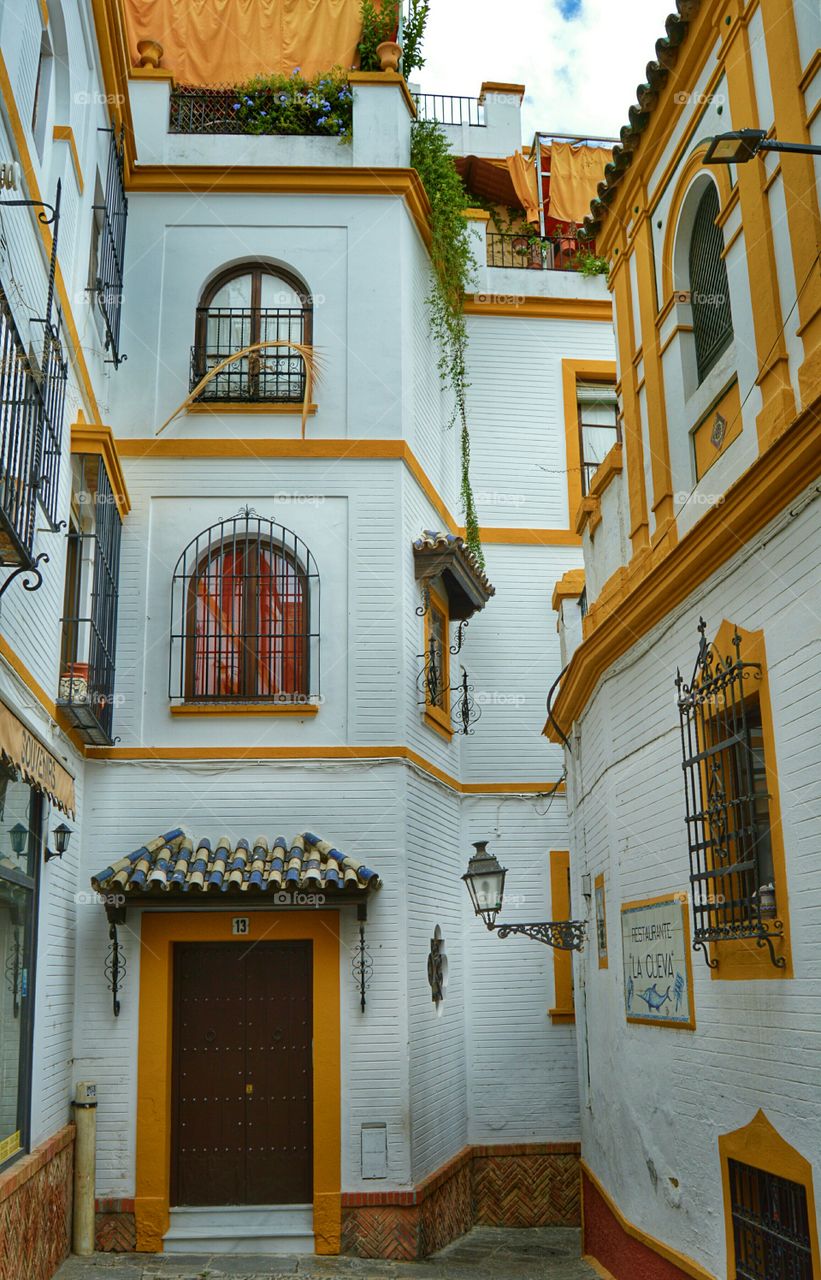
(580, 60)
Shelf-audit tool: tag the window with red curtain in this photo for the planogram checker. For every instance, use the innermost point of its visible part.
(247, 624)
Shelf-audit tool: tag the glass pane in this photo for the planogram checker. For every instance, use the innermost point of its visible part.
(234, 293)
(16, 811)
(438, 692)
(15, 932)
(275, 292)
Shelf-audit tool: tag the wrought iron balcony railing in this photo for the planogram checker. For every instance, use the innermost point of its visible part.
(273, 375)
(446, 108)
(528, 253)
(31, 416)
(86, 690)
(195, 109)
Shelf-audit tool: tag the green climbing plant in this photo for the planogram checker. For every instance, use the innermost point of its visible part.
(453, 268)
(588, 264)
(380, 22)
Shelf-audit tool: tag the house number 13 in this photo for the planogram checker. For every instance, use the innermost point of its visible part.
(239, 924)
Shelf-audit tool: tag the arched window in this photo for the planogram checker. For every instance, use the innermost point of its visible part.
(245, 610)
(252, 303)
(709, 290)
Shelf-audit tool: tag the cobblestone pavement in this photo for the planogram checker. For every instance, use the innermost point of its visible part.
(486, 1253)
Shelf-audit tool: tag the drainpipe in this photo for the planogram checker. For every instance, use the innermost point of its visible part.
(85, 1160)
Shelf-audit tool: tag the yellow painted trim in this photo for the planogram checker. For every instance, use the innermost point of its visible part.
(229, 407)
(607, 470)
(600, 1271)
(810, 71)
(655, 584)
(573, 372)
(743, 960)
(18, 133)
(65, 133)
(48, 704)
(527, 308)
(654, 391)
(44, 12)
(760, 1145)
(302, 709)
(152, 73)
(569, 587)
(499, 86)
(385, 79)
(476, 215)
(727, 199)
(688, 960)
(704, 452)
(588, 512)
(676, 1259)
(672, 335)
(630, 357)
(159, 931)
(95, 438)
(338, 451)
(604, 959)
(398, 753)
(217, 180)
(564, 1009)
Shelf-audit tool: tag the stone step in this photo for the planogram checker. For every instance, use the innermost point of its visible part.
(245, 1228)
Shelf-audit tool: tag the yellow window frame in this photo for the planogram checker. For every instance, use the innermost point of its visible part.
(564, 1008)
(438, 717)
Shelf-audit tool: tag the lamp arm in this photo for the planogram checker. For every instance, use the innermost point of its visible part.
(564, 935)
(800, 148)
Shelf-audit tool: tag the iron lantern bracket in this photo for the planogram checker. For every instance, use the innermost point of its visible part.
(563, 935)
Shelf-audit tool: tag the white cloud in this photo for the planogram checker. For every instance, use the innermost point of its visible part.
(581, 75)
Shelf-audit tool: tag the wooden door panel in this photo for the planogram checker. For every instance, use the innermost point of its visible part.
(242, 1074)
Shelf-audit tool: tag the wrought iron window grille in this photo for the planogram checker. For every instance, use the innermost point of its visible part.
(430, 682)
(89, 624)
(245, 611)
(31, 427)
(771, 1230)
(113, 217)
(272, 376)
(709, 287)
(731, 885)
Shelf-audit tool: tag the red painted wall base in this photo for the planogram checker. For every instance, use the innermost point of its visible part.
(608, 1243)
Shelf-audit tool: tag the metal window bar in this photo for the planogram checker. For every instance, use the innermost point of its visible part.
(53, 388)
(90, 622)
(726, 839)
(245, 600)
(447, 108)
(111, 249)
(521, 252)
(709, 289)
(273, 375)
(771, 1229)
(30, 411)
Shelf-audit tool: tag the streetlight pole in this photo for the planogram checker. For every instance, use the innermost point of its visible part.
(743, 145)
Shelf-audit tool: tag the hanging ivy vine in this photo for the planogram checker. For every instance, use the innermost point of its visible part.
(453, 268)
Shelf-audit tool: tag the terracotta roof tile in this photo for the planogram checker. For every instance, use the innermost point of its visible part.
(171, 863)
(469, 587)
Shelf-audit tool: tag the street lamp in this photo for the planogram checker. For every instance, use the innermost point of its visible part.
(62, 835)
(19, 836)
(745, 144)
(485, 880)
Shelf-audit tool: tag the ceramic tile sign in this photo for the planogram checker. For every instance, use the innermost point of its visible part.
(658, 976)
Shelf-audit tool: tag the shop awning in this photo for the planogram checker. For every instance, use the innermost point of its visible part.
(173, 864)
(33, 760)
(446, 556)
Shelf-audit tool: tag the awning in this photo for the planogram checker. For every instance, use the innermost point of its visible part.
(32, 758)
(173, 865)
(446, 556)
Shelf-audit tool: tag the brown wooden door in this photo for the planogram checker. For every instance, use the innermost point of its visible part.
(242, 1074)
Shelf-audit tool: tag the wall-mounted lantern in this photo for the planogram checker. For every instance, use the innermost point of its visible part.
(62, 835)
(19, 838)
(485, 880)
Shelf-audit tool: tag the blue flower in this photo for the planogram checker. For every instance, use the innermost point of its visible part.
(235, 107)
(248, 102)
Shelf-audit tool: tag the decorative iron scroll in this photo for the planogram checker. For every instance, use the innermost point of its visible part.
(726, 811)
(14, 969)
(463, 707)
(115, 965)
(362, 966)
(436, 970)
(563, 935)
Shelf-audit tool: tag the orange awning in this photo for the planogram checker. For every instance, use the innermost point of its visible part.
(575, 172)
(213, 42)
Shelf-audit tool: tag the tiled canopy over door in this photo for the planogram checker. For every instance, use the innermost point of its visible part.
(242, 1093)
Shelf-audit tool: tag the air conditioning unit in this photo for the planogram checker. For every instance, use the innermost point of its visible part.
(9, 176)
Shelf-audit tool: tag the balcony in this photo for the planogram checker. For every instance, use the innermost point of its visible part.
(89, 624)
(273, 376)
(448, 109)
(521, 252)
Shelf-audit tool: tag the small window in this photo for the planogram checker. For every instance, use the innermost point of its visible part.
(249, 305)
(771, 1227)
(245, 599)
(598, 426)
(107, 259)
(42, 93)
(437, 663)
(709, 288)
(730, 834)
